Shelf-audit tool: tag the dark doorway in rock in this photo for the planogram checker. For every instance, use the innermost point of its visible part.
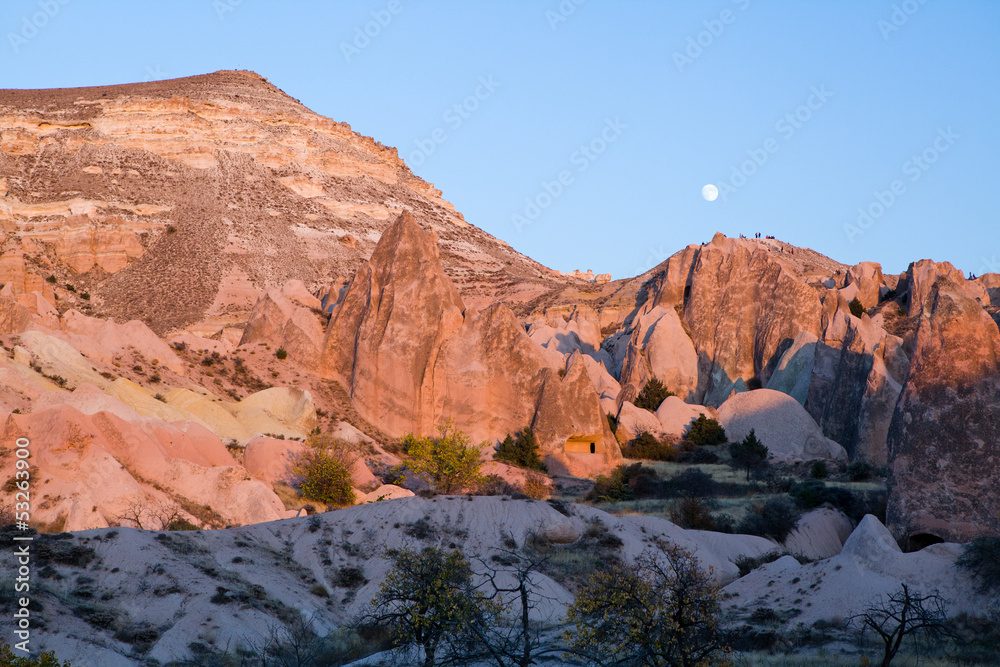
(593, 448)
(918, 541)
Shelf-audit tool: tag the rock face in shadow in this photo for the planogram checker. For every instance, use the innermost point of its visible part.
(944, 441)
(411, 356)
(857, 373)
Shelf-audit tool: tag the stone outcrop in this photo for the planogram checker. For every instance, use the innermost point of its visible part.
(855, 379)
(675, 415)
(659, 347)
(189, 183)
(287, 318)
(793, 373)
(920, 278)
(14, 318)
(781, 423)
(632, 421)
(944, 440)
(744, 308)
(92, 466)
(866, 280)
(410, 354)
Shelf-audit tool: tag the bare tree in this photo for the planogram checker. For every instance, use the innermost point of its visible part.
(904, 613)
(511, 580)
(148, 515)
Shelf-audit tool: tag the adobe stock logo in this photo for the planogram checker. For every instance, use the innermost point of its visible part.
(363, 35)
(581, 158)
(455, 117)
(697, 44)
(30, 25)
(915, 168)
(787, 126)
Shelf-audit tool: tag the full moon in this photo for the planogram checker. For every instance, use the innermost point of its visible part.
(710, 192)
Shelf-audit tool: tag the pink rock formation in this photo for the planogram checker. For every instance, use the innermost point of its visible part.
(411, 356)
(944, 453)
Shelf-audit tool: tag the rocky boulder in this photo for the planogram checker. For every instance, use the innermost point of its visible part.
(819, 534)
(632, 421)
(675, 415)
(781, 423)
(867, 280)
(287, 318)
(944, 450)
(743, 309)
(660, 347)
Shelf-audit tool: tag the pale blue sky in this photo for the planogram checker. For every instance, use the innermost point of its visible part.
(669, 125)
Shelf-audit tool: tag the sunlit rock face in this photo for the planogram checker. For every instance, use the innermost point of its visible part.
(944, 441)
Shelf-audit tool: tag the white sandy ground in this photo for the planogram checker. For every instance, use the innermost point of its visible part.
(168, 581)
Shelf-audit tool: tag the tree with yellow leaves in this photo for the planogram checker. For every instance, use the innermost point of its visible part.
(663, 609)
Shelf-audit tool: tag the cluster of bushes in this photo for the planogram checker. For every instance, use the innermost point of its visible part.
(812, 493)
(521, 450)
(705, 431)
(324, 470)
(774, 518)
(653, 393)
(982, 559)
(621, 482)
(636, 481)
(648, 447)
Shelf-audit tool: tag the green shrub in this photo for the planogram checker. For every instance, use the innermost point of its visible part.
(51, 279)
(692, 513)
(181, 524)
(691, 483)
(522, 450)
(698, 455)
(319, 590)
(618, 484)
(818, 470)
(10, 659)
(653, 393)
(982, 559)
(350, 578)
(646, 446)
(748, 454)
(705, 431)
(774, 518)
(325, 470)
(612, 422)
(450, 462)
(536, 486)
(857, 308)
(282, 353)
